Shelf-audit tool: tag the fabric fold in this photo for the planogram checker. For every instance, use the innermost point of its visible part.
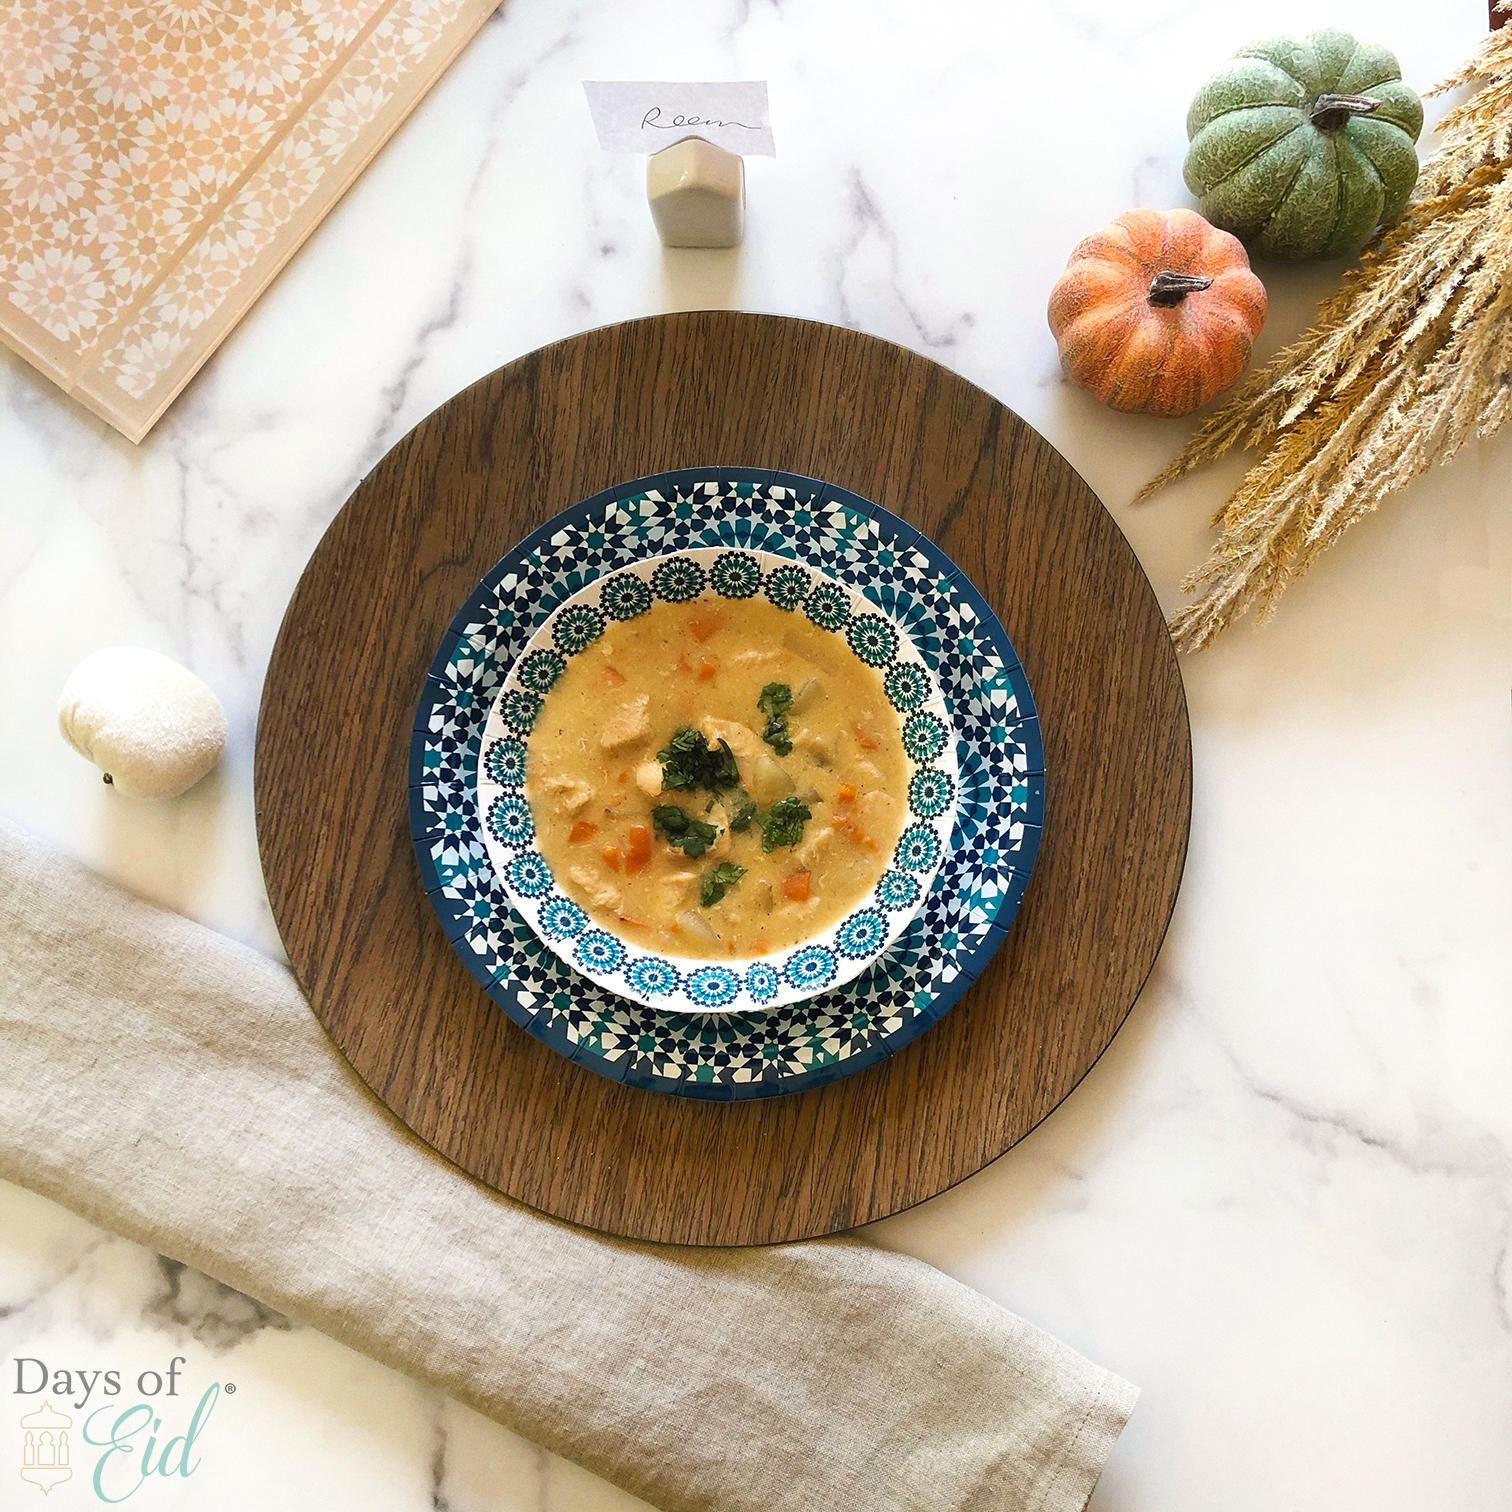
(173, 1086)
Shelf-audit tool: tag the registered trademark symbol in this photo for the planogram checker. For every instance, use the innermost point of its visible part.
(230, 1386)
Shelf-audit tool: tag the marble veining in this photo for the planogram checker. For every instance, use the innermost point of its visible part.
(217, 1315)
(1282, 1200)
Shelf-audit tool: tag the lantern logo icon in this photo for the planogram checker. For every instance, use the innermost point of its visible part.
(44, 1450)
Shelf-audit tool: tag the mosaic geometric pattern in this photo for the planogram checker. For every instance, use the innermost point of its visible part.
(158, 162)
(999, 807)
(831, 958)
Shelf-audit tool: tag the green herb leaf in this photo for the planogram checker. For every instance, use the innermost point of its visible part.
(776, 699)
(682, 760)
(776, 735)
(723, 773)
(691, 836)
(689, 762)
(670, 820)
(742, 811)
(782, 824)
(715, 884)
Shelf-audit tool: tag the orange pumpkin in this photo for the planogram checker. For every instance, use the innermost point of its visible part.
(1157, 312)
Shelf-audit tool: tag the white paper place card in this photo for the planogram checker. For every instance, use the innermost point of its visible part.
(647, 117)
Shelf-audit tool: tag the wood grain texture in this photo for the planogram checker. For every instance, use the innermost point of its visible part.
(719, 388)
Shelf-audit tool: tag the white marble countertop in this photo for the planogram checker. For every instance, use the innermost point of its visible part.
(1282, 1201)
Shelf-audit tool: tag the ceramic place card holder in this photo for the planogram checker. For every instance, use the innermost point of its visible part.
(696, 138)
(697, 194)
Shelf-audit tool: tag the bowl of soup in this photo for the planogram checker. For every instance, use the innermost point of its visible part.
(718, 781)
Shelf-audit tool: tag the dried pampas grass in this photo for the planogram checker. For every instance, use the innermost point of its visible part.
(1409, 360)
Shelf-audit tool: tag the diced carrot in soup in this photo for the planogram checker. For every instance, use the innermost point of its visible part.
(864, 738)
(614, 678)
(611, 857)
(707, 670)
(846, 793)
(583, 830)
(795, 886)
(638, 851)
(704, 622)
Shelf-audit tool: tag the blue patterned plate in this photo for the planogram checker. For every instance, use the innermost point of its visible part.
(828, 959)
(974, 895)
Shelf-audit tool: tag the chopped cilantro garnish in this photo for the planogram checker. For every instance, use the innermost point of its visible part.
(724, 876)
(742, 811)
(691, 836)
(690, 762)
(776, 699)
(775, 733)
(782, 824)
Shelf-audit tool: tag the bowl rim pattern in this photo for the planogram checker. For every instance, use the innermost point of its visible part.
(830, 957)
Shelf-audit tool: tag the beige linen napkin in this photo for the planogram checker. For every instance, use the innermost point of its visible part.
(830, 1375)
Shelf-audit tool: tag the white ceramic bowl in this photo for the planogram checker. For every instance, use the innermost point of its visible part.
(738, 985)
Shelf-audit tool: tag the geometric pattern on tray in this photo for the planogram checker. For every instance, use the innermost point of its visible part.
(160, 162)
(999, 814)
(828, 959)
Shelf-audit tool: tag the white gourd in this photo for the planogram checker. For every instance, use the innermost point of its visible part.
(150, 725)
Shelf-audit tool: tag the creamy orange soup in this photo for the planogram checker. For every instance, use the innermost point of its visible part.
(765, 718)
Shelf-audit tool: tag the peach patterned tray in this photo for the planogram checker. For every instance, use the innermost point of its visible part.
(161, 160)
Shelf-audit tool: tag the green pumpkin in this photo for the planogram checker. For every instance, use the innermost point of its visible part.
(1303, 146)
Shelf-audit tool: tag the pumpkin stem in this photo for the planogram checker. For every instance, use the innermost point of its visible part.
(1330, 112)
(1168, 289)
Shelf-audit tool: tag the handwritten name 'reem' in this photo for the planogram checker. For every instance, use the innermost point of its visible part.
(653, 118)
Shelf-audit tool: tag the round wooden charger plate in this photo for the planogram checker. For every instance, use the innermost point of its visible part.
(734, 390)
